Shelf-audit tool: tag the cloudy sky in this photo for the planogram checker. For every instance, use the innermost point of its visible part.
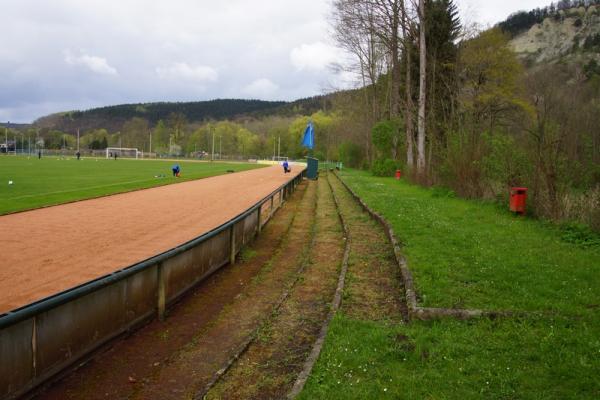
(76, 54)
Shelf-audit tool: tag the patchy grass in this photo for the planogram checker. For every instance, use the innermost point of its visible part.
(268, 368)
(247, 254)
(54, 180)
(472, 254)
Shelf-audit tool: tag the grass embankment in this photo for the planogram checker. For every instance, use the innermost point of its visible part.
(471, 254)
(52, 180)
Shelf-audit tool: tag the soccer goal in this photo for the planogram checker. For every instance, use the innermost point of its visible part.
(111, 152)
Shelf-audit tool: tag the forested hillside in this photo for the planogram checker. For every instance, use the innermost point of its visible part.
(113, 117)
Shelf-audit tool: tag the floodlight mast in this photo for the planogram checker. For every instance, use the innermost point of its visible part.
(213, 146)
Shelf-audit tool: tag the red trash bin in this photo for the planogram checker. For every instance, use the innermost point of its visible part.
(518, 200)
(398, 174)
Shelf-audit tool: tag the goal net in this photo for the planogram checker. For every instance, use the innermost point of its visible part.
(111, 152)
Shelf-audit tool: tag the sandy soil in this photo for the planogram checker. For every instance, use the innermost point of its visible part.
(49, 250)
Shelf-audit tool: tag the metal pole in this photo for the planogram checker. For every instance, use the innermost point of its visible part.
(220, 148)
(279, 148)
(150, 147)
(78, 140)
(212, 157)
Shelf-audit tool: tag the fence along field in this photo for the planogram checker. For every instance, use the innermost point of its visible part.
(55, 180)
(32, 338)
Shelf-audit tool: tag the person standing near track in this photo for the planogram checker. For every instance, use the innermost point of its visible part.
(286, 167)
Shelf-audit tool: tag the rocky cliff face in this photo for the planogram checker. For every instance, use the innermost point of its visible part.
(573, 33)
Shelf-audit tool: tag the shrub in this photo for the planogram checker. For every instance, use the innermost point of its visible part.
(384, 167)
(579, 234)
(439, 191)
(351, 154)
(385, 134)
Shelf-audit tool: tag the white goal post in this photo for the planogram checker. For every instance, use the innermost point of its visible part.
(123, 152)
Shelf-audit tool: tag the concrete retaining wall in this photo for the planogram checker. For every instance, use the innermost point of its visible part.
(45, 338)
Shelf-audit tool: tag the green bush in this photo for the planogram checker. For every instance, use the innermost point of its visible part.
(351, 154)
(385, 167)
(384, 134)
(579, 234)
(439, 191)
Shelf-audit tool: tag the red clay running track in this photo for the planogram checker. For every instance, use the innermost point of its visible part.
(49, 250)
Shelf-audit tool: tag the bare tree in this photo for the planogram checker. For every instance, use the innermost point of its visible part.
(421, 165)
(408, 105)
(388, 21)
(355, 30)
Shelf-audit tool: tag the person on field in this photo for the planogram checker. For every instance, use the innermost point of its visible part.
(286, 167)
(39, 154)
(176, 170)
(78, 154)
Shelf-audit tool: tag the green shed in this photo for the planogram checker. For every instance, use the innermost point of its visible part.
(312, 169)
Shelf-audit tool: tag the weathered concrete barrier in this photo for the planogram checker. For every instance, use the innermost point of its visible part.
(43, 339)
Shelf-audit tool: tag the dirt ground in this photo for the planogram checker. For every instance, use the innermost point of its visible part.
(270, 366)
(253, 323)
(174, 358)
(49, 250)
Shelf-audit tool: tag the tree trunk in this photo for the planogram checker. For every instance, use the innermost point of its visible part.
(422, 91)
(409, 108)
(395, 106)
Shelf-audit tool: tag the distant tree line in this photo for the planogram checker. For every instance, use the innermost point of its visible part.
(114, 117)
(264, 136)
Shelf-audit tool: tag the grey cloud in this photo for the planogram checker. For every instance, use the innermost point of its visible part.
(74, 55)
(123, 51)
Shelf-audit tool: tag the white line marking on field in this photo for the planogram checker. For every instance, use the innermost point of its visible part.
(79, 189)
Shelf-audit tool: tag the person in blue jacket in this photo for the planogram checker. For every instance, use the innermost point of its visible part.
(286, 167)
(176, 170)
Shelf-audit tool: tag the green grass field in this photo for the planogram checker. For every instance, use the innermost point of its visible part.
(52, 180)
(472, 254)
